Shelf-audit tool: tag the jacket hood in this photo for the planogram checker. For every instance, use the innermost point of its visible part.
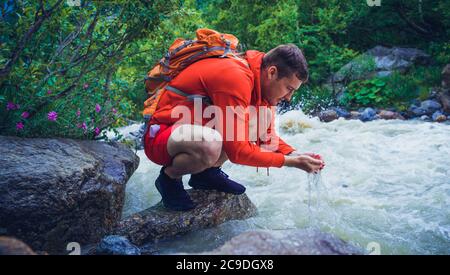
(254, 59)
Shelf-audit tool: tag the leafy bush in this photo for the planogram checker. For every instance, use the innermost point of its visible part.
(395, 90)
(182, 22)
(365, 93)
(313, 99)
(110, 45)
(59, 64)
(440, 52)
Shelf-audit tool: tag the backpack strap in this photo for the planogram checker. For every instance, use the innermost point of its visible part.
(190, 97)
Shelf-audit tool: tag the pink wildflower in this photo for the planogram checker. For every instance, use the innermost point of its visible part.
(96, 131)
(52, 116)
(25, 115)
(19, 126)
(11, 106)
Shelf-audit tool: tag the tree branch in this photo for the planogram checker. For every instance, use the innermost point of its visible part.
(411, 24)
(39, 19)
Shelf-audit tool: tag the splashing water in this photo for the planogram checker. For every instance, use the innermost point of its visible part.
(314, 186)
(385, 182)
(319, 206)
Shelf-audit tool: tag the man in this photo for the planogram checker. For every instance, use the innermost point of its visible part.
(263, 80)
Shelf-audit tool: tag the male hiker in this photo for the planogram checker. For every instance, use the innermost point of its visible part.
(262, 80)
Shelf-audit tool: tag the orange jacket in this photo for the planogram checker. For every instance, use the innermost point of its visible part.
(227, 82)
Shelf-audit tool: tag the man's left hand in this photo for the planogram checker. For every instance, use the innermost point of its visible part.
(316, 156)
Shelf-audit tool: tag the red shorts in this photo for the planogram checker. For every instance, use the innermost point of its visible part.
(155, 143)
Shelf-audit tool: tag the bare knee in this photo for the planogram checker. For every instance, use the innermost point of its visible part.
(202, 143)
(209, 152)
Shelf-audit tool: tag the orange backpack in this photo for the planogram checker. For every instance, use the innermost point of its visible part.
(182, 53)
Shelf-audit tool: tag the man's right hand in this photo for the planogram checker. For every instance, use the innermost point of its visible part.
(304, 162)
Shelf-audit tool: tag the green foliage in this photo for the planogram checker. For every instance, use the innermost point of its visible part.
(395, 90)
(314, 26)
(365, 93)
(440, 52)
(313, 99)
(181, 22)
(401, 89)
(68, 60)
(400, 23)
(319, 36)
(98, 53)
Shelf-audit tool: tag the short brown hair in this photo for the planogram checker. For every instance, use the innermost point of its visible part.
(288, 59)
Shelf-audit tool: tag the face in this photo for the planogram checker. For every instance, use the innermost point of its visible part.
(275, 90)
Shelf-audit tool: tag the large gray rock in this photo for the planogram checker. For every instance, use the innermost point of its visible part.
(430, 106)
(213, 208)
(368, 114)
(386, 114)
(425, 118)
(396, 58)
(55, 191)
(438, 116)
(380, 61)
(341, 112)
(415, 111)
(13, 246)
(355, 115)
(286, 242)
(328, 115)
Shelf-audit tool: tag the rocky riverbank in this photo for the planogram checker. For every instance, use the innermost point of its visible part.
(386, 61)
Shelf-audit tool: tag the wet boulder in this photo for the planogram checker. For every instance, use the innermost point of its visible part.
(355, 115)
(56, 191)
(415, 111)
(386, 114)
(286, 242)
(116, 245)
(212, 209)
(438, 116)
(341, 112)
(425, 118)
(328, 115)
(368, 114)
(430, 106)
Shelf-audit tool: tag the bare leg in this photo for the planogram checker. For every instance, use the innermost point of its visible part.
(222, 159)
(194, 148)
(183, 164)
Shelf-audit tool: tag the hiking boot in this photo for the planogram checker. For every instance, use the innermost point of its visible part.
(215, 179)
(173, 195)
